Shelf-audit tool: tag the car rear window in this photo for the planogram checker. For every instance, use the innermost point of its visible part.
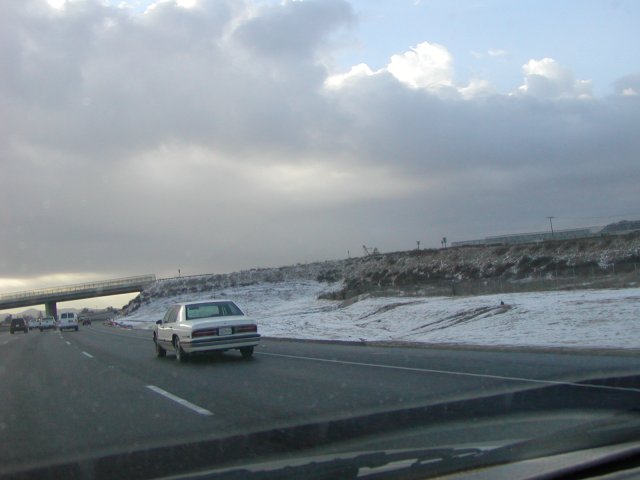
(213, 309)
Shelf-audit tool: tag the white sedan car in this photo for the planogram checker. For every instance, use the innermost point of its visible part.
(205, 326)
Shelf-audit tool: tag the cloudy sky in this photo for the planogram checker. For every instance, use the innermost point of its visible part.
(211, 136)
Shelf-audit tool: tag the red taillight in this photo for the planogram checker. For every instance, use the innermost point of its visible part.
(245, 329)
(205, 333)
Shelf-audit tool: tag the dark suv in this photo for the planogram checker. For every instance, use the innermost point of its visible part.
(18, 324)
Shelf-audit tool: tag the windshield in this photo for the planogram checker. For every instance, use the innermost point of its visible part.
(238, 232)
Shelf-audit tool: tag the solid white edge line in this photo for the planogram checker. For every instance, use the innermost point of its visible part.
(181, 401)
(87, 354)
(450, 372)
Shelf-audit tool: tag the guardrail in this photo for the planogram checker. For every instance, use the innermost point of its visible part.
(80, 287)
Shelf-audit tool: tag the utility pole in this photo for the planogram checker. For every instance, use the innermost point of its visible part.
(551, 223)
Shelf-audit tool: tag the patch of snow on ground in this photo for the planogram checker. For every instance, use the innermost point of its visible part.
(583, 318)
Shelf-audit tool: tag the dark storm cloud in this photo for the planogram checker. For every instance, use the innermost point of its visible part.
(205, 139)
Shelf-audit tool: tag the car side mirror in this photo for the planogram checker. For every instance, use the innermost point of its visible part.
(158, 322)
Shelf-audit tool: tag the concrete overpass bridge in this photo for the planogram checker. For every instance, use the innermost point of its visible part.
(51, 296)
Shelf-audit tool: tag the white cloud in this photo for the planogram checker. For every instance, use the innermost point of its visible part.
(629, 92)
(425, 66)
(546, 79)
(356, 72)
(476, 88)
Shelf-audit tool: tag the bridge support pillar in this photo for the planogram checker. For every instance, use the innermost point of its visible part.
(51, 309)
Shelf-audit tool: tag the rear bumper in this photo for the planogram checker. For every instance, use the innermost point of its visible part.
(67, 327)
(220, 343)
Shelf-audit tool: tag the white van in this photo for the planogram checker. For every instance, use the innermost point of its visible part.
(68, 321)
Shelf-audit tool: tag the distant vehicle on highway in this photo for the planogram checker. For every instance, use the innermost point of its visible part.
(47, 323)
(86, 321)
(68, 321)
(18, 324)
(205, 326)
(34, 323)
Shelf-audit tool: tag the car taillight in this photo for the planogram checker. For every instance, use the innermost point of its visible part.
(205, 333)
(245, 329)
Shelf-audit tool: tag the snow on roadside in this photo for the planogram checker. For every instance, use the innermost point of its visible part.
(581, 318)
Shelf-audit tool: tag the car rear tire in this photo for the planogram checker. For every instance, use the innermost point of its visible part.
(160, 352)
(246, 352)
(181, 355)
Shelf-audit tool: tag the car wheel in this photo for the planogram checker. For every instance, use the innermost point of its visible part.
(246, 352)
(40, 329)
(76, 329)
(160, 352)
(181, 355)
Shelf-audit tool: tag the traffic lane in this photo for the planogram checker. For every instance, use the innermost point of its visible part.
(241, 395)
(553, 365)
(6, 337)
(283, 389)
(570, 366)
(271, 391)
(59, 404)
(505, 365)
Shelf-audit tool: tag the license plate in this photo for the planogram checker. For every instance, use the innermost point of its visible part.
(225, 331)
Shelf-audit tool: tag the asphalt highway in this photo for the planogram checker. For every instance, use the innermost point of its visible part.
(101, 390)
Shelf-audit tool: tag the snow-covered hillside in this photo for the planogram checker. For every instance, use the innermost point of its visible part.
(600, 262)
(293, 309)
(424, 296)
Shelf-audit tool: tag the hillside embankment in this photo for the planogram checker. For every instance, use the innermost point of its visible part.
(599, 262)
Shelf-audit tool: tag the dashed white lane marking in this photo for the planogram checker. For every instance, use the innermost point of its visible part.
(181, 401)
(67, 342)
(453, 372)
(87, 354)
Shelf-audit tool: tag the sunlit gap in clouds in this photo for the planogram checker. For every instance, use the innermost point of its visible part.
(57, 4)
(8, 285)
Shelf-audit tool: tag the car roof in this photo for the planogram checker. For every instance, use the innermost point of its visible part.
(212, 300)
